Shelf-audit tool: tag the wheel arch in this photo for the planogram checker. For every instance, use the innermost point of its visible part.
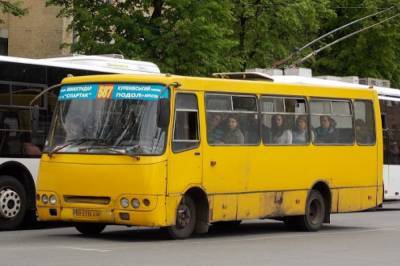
(21, 173)
(199, 196)
(323, 188)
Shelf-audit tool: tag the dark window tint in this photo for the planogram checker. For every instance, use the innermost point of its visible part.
(5, 97)
(391, 133)
(364, 122)
(22, 73)
(22, 95)
(186, 131)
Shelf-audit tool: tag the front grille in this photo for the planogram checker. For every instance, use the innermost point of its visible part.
(87, 199)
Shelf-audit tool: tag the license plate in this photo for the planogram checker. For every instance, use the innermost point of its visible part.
(84, 213)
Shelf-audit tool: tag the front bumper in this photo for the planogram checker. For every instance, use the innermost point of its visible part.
(163, 213)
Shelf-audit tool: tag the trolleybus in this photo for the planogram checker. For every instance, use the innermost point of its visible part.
(21, 80)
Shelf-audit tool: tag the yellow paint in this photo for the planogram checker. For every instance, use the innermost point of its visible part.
(240, 182)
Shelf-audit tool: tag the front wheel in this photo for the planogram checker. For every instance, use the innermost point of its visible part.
(13, 203)
(185, 219)
(90, 228)
(314, 216)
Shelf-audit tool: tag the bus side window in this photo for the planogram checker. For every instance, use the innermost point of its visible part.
(332, 121)
(364, 122)
(186, 130)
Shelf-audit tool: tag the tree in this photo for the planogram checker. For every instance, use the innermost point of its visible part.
(181, 36)
(268, 30)
(373, 53)
(14, 9)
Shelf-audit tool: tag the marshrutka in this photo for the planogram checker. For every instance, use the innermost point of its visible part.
(184, 153)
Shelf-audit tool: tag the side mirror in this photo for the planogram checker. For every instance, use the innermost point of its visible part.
(163, 113)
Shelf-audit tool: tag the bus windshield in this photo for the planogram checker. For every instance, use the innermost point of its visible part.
(117, 119)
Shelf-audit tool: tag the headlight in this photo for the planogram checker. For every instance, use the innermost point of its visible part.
(124, 202)
(45, 199)
(135, 203)
(53, 200)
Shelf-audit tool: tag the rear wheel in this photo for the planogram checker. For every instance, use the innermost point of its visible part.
(314, 216)
(90, 228)
(185, 219)
(13, 203)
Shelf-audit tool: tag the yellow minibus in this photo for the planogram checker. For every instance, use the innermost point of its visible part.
(183, 153)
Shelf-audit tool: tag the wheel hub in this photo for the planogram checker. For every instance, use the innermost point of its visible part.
(184, 216)
(10, 203)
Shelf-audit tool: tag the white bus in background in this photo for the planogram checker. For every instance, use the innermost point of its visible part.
(21, 80)
(390, 110)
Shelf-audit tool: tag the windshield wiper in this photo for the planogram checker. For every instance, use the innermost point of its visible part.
(72, 142)
(124, 152)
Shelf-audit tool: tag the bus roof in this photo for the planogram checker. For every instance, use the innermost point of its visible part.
(90, 62)
(235, 86)
(384, 93)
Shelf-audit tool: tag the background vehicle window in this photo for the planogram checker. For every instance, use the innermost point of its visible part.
(332, 121)
(232, 119)
(186, 131)
(364, 122)
(284, 121)
(391, 133)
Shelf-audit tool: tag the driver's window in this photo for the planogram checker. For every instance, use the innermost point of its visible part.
(186, 130)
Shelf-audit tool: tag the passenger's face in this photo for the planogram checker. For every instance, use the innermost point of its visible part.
(215, 120)
(301, 124)
(278, 121)
(232, 123)
(325, 123)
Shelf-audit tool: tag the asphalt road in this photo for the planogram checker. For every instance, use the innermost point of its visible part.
(365, 238)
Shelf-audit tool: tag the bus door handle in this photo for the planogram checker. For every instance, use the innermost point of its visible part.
(197, 153)
(213, 163)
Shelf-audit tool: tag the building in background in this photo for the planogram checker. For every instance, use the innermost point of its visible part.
(39, 34)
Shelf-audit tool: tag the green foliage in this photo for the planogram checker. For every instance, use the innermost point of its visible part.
(13, 8)
(270, 29)
(181, 36)
(372, 53)
(198, 37)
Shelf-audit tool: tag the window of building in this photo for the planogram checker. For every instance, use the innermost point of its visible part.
(232, 119)
(3, 46)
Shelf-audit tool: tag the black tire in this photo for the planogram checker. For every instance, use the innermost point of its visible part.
(313, 218)
(185, 219)
(90, 229)
(13, 203)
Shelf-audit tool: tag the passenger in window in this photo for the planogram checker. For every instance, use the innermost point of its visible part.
(362, 132)
(234, 135)
(215, 133)
(29, 149)
(280, 134)
(326, 132)
(300, 132)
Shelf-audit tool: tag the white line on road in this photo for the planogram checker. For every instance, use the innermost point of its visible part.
(87, 249)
